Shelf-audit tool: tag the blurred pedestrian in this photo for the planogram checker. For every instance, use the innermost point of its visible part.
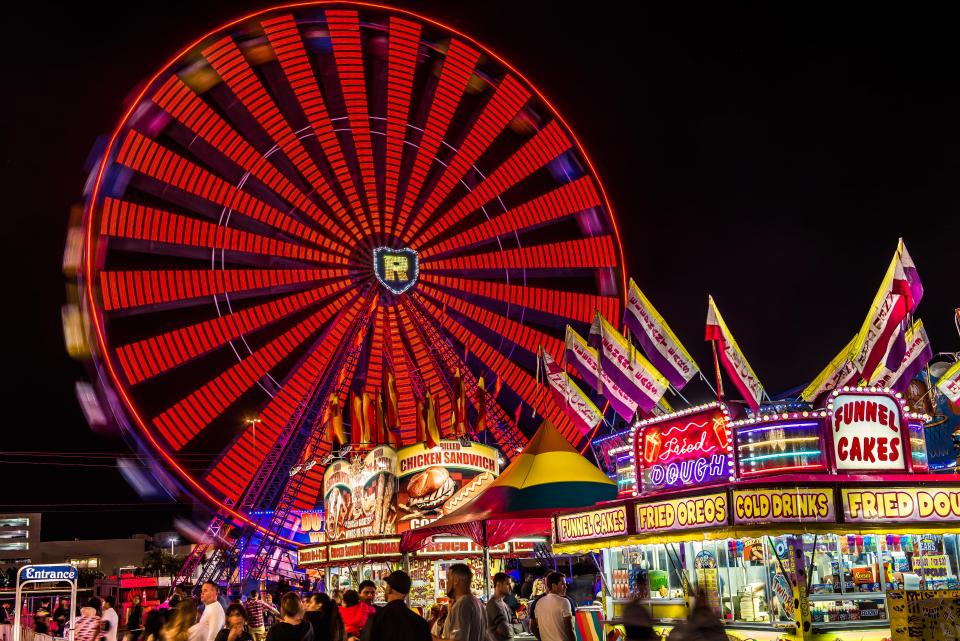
(323, 615)
(355, 613)
(111, 621)
(180, 625)
(702, 624)
(134, 622)
(236, 629)
(291, 627)
(61, 616)
(637, 624)
(89, 626)
(152, 625)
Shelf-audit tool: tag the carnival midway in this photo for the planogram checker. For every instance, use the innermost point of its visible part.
(350, 286)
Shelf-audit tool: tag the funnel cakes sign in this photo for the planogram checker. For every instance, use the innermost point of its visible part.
(436, 481)
(684, 449)
(867, 432)
(358, 495)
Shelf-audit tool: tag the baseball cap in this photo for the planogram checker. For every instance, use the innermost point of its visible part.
(399, 581)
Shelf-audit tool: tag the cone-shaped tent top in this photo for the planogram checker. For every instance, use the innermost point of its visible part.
(549, 476)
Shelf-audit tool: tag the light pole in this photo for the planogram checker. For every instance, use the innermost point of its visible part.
(172, 541)
(252, 422)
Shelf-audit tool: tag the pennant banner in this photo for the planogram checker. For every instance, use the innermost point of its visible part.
(837, 374)
(949, 383)
(575, 404)
(584, 358)
(658, 341)
(732, 358)
(625, 366)
(917, 354)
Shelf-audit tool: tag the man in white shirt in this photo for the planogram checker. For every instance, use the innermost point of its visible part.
(110, 618)
(213, 617)
(552, 615)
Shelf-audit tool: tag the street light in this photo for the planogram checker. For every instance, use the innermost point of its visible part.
(172, 540)
(252, 422)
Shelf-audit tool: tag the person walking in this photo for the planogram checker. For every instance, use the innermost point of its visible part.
(152, 625)
(89, 626)
(236, 629)
(323, 615)
(213, 617)
(499, 615)
(134, 622)
(111, 621)
(291, 627)
(551, 618)
(355, 613)
(180, 626)
(61, 617)
(395, 621)
(257, 610)
(466, 620)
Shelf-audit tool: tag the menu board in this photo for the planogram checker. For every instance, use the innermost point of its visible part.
(359, 495)
(436, 481)
(924, 615)
(684, 450)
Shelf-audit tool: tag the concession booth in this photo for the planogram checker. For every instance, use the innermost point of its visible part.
(797, 524)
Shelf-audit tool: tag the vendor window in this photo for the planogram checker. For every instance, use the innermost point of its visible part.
(647, 572)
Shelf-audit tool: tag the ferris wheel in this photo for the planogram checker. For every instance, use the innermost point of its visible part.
(316, 194)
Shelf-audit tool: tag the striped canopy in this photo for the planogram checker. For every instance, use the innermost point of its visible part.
(548, 477)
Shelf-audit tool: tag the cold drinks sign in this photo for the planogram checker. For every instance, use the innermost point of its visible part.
(867, 432)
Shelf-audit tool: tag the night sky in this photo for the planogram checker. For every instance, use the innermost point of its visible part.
(770, 160)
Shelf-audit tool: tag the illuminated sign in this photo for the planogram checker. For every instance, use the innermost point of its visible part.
(48, 573)
(458, 548)
(695, 511)
(381, 547)
(316, 554)
(345, 551)
(868, 505)
(867, 432)
(359, 495)
(439, 480)
(396, 269)
(523, 547)
(592, 525)
(309, 527)
(684, 450)
(782, 505)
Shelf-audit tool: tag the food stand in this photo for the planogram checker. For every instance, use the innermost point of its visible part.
(797, 524)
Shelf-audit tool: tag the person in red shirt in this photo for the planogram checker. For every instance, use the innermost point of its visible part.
(355, 613)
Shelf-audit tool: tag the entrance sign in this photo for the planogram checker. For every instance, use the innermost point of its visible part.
(60, 573)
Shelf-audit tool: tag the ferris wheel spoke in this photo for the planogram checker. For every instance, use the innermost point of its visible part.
(146, 290)
(429, 370)
(561, 304)
(178, 100)
(240, 460)
(516, 333)
(227, 60)
(557, 204)
(191, 414)
(515, 377)
(146, 358)
(406, 401)
(507, 100)
(582, 253)
(458, 66)
(131, 221)
(345, 36)
(285, 40)
(403, 45)
(147, 157)
(536, 153)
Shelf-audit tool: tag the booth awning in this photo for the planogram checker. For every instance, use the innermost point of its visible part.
(549, 476)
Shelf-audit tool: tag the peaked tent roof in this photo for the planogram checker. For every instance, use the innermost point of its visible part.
(549, 476)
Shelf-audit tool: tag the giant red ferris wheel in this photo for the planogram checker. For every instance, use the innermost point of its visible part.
(317, 193)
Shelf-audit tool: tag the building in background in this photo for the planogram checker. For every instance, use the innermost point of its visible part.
(19, 539)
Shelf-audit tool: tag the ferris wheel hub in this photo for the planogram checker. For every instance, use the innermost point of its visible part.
(396, 269)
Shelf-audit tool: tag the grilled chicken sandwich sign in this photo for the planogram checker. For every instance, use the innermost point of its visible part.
(867, 431)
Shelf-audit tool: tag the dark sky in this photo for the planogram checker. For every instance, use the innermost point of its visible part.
(771, 160)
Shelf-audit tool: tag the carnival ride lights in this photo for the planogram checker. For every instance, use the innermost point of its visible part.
(231, 230)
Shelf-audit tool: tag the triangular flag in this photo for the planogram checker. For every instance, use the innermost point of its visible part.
(337, 437)
(734, 362)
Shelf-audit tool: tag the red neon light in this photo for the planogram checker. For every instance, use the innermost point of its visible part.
(581, 253)
(404, 42)
(345, 35)
(285, 40)
(457, 68)
(229, 62)
(549, 143)
(557, 204)
(786, 468)
(509, 97)
(428, 370)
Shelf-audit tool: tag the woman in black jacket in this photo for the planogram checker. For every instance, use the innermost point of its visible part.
(324, 617)
(292, 627)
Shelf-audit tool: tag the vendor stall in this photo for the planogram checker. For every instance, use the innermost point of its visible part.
(797, 524)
